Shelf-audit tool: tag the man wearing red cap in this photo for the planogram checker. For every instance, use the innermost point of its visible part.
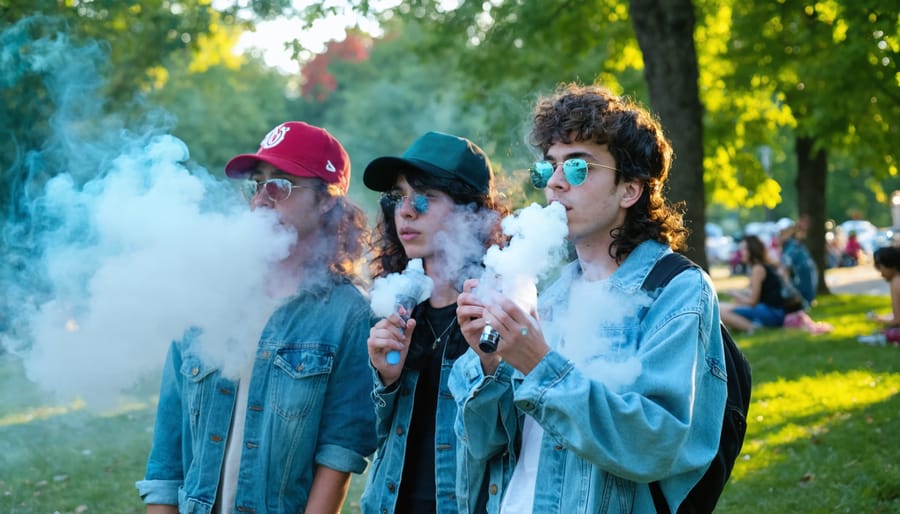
(285, 436)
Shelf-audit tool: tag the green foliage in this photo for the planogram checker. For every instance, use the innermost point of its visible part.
(220, 112)
(833, 64)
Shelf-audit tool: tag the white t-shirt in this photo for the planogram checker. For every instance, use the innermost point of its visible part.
(228, 480)
(519, 497)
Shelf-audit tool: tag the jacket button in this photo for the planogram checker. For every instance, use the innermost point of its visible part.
(195, 371)
(558, 447)
(215, 438)
(494, 489)
(391, 487)
(399, 430)
(299, 367)
(264, 355)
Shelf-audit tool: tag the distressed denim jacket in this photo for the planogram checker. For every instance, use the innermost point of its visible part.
(307, 405)
(602, 445)
(394, 412)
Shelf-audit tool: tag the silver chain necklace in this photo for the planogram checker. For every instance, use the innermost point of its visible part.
(439, 338)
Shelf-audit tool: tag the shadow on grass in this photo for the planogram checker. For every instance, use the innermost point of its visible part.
(822, 418)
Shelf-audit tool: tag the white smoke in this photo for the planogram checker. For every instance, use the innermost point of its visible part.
(113, 248)
(599, 353)
(537, 237)
(388, 289)
(136, 261)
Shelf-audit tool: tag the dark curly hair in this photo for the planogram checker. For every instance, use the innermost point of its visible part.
(637, 143)
(388, 255)
(347, 236)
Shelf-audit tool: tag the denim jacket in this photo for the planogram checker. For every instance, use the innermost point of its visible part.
(393, 412)
(307, 405)
(602, 445)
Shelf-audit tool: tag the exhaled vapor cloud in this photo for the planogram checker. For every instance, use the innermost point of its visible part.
(115, 248)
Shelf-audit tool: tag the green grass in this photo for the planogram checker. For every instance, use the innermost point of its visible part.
(822, 419)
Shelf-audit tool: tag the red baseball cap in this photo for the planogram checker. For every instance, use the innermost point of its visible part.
(301, 150)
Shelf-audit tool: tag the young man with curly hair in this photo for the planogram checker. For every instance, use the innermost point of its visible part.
(606, 388)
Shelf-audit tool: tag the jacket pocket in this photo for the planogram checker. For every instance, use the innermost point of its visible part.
(193, 372)
(300, 379)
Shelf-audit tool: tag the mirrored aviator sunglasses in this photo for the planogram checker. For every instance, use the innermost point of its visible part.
(275, 189)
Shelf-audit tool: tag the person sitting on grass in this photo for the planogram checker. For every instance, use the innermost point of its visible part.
(887, 262)
(763, 305)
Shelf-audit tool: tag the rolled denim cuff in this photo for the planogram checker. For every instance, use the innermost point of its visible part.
(162, 492)
(341, 459)
(552, 368)
(467, 369)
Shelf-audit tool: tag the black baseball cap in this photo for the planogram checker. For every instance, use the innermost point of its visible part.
(434, 153)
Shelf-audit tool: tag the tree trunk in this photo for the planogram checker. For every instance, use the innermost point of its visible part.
(812, 178)
(665, 33)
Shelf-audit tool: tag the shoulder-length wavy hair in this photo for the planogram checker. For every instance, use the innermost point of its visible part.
(756, 250)
(388, 255)
(637, 143)
(346, 234)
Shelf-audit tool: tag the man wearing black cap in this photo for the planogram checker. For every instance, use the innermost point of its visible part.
(285, 435)
(438, 205)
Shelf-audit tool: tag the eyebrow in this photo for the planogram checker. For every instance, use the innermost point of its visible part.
(572, 155)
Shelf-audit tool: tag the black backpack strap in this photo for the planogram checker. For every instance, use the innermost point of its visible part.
(665, 269)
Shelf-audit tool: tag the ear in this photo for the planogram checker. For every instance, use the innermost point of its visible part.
(632, 192)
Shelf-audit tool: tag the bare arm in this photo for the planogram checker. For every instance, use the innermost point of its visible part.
(162, 509)
(895, 301)
(328, 491)
(757, 276)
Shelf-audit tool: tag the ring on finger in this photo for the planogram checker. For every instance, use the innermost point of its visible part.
(524, 331)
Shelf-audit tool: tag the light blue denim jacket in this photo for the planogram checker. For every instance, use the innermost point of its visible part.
(308, 405)
(393, 410)
(601, 447)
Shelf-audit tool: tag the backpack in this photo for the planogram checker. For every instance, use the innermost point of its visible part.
(704, 495)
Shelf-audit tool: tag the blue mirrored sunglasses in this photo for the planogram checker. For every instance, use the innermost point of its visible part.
(575, 171)
(393, 199)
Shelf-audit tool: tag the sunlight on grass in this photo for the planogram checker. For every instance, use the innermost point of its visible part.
(40, 413)
(37, 413)
(783, 411)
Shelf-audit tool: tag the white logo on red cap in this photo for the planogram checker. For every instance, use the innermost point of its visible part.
(330, 167)
(274, 137)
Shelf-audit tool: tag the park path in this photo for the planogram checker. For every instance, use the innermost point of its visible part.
(863, 279)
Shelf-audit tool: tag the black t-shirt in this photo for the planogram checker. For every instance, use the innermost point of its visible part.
(770, 291)
(417, 485)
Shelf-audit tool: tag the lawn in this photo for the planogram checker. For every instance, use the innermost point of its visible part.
(821, 417)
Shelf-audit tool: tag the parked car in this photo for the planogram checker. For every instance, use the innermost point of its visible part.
(719, 246)
(865, 233)
(886, 237)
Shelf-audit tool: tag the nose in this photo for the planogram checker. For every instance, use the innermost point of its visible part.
(558, 178)
(261, 199)
(405, 208)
